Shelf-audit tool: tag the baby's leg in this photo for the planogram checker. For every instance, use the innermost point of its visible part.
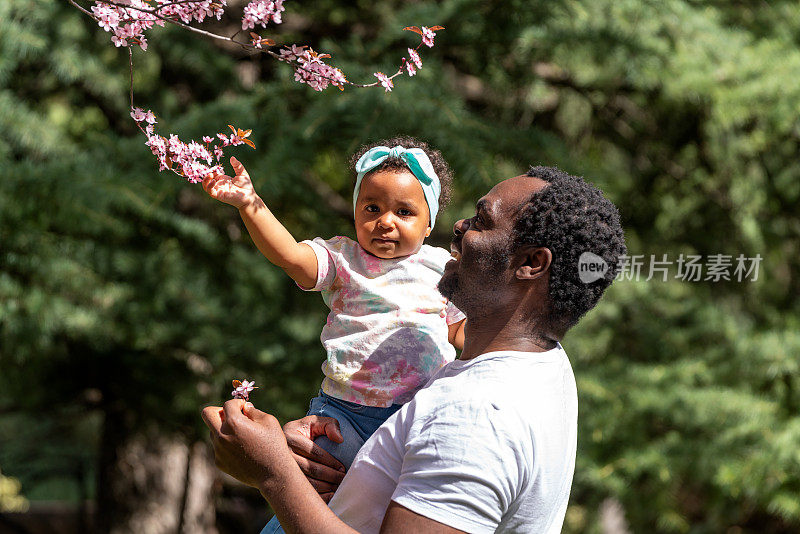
(273, 527)
(349, 426)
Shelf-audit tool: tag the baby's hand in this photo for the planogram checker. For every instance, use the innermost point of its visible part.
(237, 191)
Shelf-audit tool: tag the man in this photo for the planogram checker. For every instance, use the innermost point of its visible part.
(489, 444)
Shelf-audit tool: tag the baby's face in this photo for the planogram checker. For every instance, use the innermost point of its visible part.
(391, 214)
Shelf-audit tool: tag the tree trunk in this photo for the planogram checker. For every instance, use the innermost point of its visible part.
(150, 483)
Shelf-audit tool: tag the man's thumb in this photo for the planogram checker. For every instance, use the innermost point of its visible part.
(252, 412)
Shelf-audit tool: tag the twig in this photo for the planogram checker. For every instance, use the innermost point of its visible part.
(130, 64)
(82, 9)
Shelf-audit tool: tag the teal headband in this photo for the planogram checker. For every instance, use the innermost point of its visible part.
(417, 162)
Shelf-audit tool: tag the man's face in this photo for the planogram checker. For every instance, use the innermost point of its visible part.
(480, 274)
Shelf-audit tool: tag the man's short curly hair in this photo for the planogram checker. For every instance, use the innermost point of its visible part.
(569, 217)
(439, 164)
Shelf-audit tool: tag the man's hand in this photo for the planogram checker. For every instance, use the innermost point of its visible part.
(248, 443)
(322, 470)
(238, 191)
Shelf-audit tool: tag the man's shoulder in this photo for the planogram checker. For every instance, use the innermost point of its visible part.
(518, 385)
(505, 371)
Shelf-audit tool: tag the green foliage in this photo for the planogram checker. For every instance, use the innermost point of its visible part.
(123, 290)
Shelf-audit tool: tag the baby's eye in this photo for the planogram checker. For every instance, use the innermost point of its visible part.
(371, 208)
(403, 212)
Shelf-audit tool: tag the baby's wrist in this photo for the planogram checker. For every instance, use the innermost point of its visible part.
(252, 202)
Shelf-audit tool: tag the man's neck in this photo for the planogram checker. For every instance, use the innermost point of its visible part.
(482, 336)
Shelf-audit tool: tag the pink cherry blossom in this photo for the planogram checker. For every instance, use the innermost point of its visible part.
(291, 54)
(260, 12)
(176, 146)
(412, 70)
(385, 81)
(415, 57)
(128, 23)
(107, 16)
(427, 36)
(243, 390)
(312, 70)
(138, 114)
(207, 139)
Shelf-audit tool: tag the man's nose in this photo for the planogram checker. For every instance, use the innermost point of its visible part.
(460, 227)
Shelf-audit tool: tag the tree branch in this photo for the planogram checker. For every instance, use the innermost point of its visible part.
(244, 45)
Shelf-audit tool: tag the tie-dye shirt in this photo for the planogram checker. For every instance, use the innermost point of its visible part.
(386, 334)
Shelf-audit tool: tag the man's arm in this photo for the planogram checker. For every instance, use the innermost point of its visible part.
(400, 520)
(249, 445)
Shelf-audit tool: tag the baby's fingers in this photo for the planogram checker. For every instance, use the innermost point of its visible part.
(214, 184)
(239, 168)
(211, 180)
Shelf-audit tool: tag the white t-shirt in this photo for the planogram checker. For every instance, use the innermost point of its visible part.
(386, 334)
(487, 446)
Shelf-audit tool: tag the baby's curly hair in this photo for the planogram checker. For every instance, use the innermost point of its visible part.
(439, 164)
(570, 217)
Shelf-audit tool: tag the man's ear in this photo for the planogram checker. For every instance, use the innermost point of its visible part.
(533, 262)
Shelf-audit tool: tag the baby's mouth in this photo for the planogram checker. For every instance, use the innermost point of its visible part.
(455, 254)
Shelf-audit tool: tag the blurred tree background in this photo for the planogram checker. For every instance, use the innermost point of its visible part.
(129, 299)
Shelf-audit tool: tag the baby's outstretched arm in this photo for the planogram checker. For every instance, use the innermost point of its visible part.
(270, 236)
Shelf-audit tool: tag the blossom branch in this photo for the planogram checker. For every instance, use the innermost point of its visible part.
(312, 73)
(127, 20)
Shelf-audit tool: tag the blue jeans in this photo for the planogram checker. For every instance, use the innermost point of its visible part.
(356, 422)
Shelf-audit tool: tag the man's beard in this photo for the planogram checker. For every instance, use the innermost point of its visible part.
(448, 286)
(473, 295)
